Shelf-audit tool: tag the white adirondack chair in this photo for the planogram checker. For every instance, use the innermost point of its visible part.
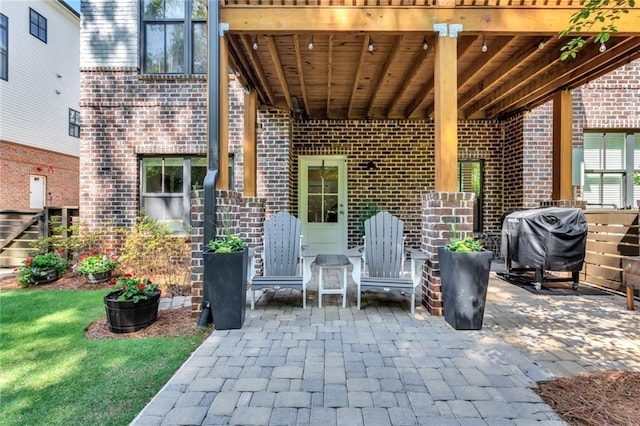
(285, 262)
(383, 258)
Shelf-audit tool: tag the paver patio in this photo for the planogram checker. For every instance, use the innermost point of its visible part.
(383, 366)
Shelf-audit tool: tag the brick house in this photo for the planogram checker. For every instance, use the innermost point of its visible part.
(40, 107)
(283, 146)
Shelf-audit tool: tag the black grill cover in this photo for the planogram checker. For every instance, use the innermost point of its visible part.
(551, 238)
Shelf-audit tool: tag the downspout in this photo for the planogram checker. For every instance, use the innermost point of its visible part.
(213, 122)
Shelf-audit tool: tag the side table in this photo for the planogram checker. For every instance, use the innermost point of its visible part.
(337, 261)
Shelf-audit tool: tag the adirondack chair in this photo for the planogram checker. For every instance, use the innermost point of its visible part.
(285, 262)
(383, 257)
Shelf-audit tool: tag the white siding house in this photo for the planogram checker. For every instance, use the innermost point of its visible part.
(39, 101)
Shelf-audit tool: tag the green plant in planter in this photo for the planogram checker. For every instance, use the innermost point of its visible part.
(36, 268)
(96, 263)
(132, 288)
(464, 245)
(228, 244)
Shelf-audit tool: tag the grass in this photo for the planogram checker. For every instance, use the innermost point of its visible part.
(50, 374)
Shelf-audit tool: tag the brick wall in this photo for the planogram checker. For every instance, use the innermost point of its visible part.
(404, 157)
(18, 162)
(125, 116)
(537, 146)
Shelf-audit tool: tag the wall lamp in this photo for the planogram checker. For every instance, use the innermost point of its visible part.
(368, 165)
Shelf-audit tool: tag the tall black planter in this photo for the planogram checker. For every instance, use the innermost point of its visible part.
(225, 287)
(464, 278)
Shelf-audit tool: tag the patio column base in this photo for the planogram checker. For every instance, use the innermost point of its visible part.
(442, 213)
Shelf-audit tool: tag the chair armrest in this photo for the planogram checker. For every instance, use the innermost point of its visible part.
(308, 255)
(306, 251)
(418, 258)
(355, 258)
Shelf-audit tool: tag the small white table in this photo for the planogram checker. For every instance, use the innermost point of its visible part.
(337, 261)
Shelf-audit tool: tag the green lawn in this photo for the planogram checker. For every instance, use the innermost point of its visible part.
(51, 375)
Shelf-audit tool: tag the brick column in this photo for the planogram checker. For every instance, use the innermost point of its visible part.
(243, 215)
(441, 213)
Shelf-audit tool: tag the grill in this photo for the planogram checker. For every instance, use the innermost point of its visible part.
(545, 239)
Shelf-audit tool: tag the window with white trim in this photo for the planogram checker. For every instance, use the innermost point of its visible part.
(174, 36)
(610, 159)
(166, 184)
(37, 25)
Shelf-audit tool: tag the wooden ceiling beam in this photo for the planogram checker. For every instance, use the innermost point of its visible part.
(303, 87)
(543, 64)
(506, 20)
(489, 82)
(562, 75)
(257, 67)
(408, 79)
(356, 78)
(397, 42)
(247, 75)
(275, 57)
(329, 74)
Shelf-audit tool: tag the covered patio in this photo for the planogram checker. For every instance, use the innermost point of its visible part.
(434, 65)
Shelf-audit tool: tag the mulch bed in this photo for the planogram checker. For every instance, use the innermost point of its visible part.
(170, 322)
(603, 398)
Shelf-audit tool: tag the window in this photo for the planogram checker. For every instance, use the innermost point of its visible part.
(37, 25)
(166, 184)
(74, 123)
(609, 162)
(470, 179)
(174, 36)
(4, 47)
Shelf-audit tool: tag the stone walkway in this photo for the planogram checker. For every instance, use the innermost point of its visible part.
(383, 366)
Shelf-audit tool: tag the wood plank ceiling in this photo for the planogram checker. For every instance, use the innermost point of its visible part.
(390, 75)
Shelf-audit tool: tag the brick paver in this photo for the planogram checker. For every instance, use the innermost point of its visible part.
(383, 366)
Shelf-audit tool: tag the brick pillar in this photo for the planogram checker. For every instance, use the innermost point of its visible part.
(441, 213)
(243, 215)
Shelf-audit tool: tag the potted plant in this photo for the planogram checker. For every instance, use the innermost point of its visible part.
(42, 268)
(464, 277)
(132, 304)
(96, 266)
(225, 281)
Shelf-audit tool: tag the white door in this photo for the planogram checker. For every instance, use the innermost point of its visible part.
(322, 202)
(37, 189)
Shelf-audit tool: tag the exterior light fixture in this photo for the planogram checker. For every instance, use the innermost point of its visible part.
(311, 43)
(484, 47)
(370, 45)
(602, 47)
(541, 45)
(425, 45)
(255, 43)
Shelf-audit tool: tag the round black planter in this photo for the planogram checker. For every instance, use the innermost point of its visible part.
(99, 277)
(47, 276)
(124, 316)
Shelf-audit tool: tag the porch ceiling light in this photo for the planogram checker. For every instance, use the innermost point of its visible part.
(370, 44)
(602, 47)
(484, 47)
(311, 43)
(541, 45)
(425, 45)
(255, 43)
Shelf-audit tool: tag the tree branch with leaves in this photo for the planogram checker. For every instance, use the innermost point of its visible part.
(602, 13)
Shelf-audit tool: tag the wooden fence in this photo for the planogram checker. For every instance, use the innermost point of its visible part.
(20, 229)
(611, 236)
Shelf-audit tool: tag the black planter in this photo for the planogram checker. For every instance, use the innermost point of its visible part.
(225, 287)
(464, 278)
(98, 277)
(124, 316)
(47, 276)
